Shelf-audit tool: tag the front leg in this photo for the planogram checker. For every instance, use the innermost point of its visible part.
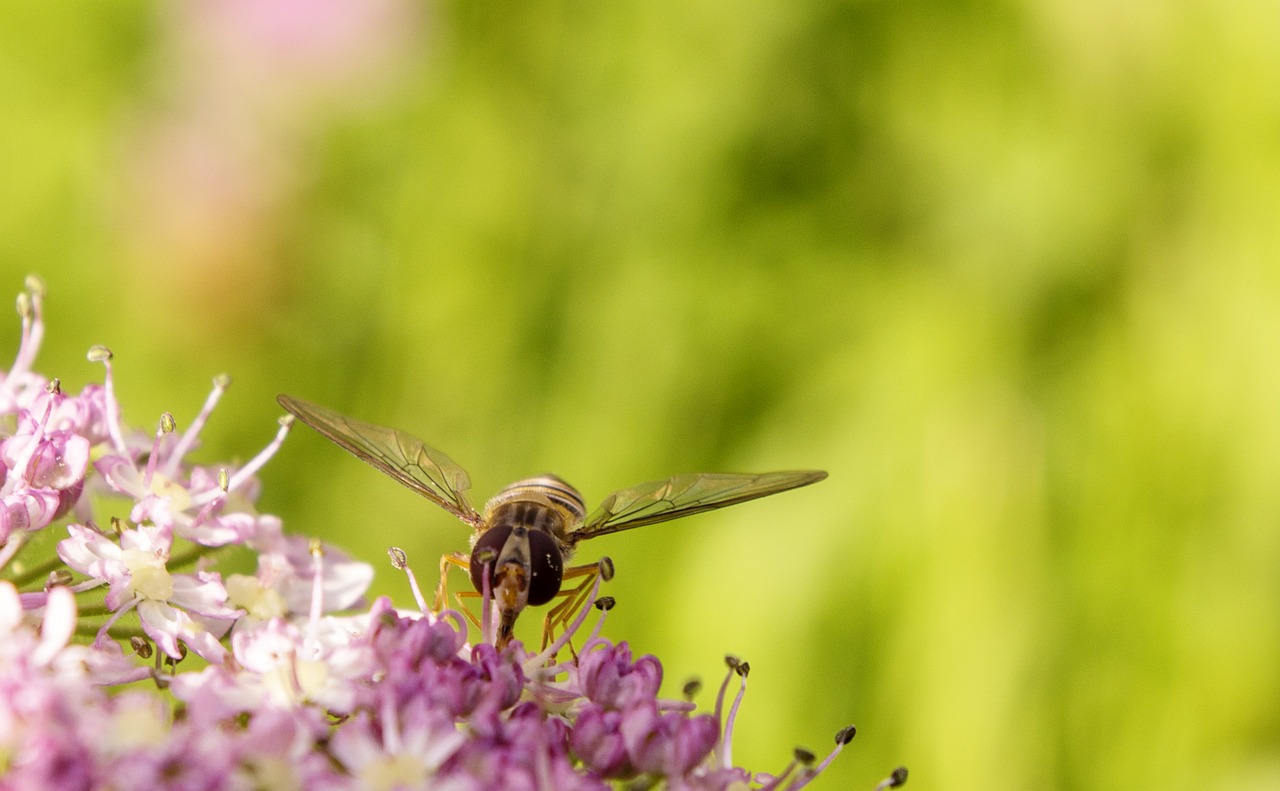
(453, 559)
(576, 597)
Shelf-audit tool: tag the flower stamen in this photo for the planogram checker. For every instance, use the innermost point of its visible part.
(732, 662)
(264, 455)
(167, 426)
(486, 596)
(188, 438)
(896, 779)
(843, 737)
(400, 561)
(604, 604)
(30, 304)
(317, 582)
(102, 639)
(101, 354)
(742, 669)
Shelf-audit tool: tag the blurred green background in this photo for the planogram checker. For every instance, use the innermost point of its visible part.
(1007, 270)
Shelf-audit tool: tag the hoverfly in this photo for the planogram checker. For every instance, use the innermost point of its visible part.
(528, 530)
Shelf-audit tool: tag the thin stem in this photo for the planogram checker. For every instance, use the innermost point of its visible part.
(12, 547)
(89, 629)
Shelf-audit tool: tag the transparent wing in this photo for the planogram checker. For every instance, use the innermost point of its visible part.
(408, 459)
(682, 495)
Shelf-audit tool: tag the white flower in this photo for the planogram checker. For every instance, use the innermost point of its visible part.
(191, 608)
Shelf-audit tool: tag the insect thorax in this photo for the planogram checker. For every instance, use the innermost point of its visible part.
(543, 503)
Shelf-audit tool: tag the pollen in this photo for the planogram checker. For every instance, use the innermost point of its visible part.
(179, 498)
(259, 601)
(147, 575)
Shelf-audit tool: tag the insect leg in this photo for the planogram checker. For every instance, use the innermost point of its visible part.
(574, 598)
(442, 589)
(461, 597)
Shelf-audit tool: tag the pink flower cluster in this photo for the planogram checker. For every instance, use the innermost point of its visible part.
(296, 683)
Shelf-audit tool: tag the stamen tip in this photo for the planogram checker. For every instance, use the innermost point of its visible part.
(35, 285)
(222, 381)
(896, 779)
(99, 354)
(846, 734)
(804, 757)
(399, 560)
(692, 687)
(140, 646)
(604, 603)
(167, 424)
(606, 568)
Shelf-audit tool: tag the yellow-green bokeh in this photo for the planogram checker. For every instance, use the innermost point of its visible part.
(1008, 271)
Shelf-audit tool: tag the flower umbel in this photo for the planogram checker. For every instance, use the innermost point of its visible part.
(284, 678)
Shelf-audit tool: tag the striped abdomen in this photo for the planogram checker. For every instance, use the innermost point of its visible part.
(544, 502)
(524, 541)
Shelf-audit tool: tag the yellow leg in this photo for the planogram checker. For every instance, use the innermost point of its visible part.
(560, 615)
(453, 559)
(461, 596)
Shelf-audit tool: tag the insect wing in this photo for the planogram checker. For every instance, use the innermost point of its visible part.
(682, 495)
(408, 459)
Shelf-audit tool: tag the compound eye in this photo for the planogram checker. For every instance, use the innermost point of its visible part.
(487, 549)
(546, 567)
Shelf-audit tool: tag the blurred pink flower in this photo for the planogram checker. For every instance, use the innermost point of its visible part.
(244, 49)
(244, 87)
